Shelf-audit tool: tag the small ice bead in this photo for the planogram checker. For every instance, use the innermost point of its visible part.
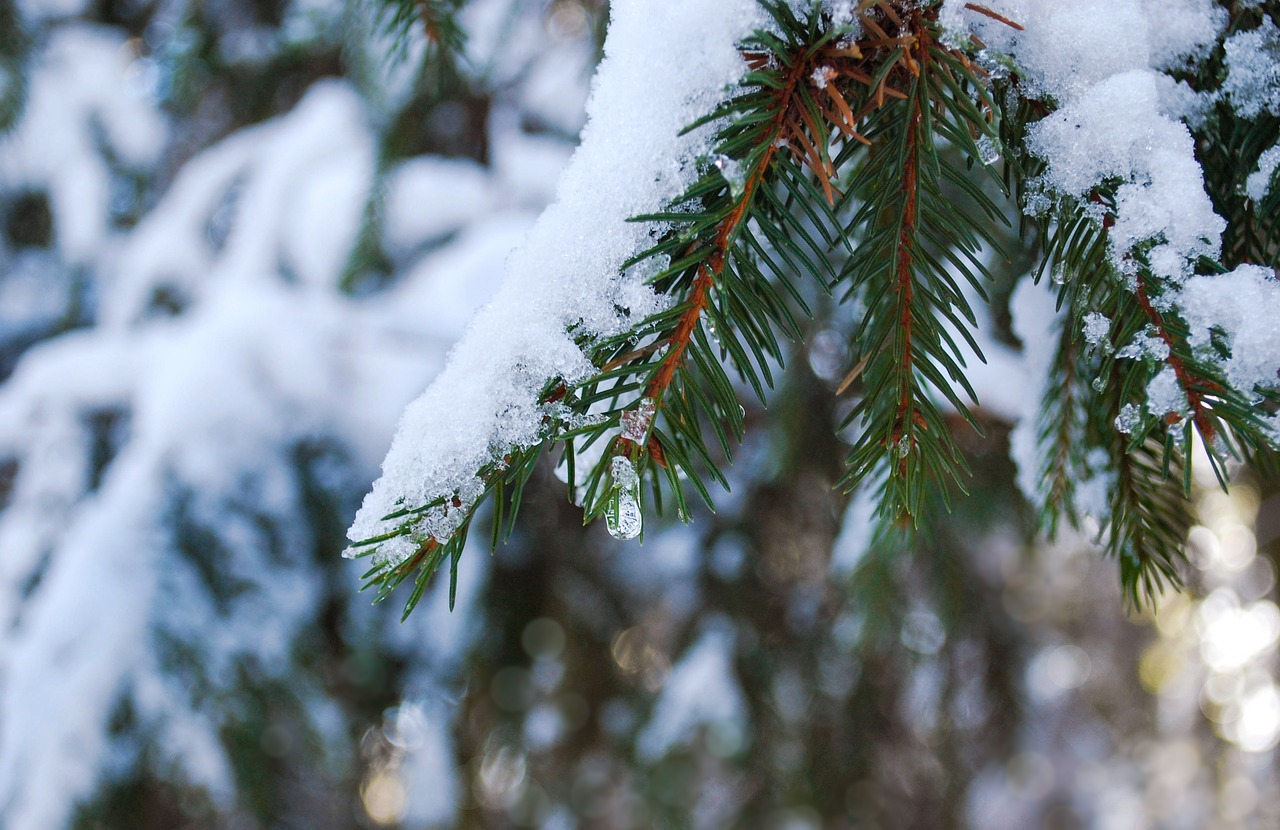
(904, 446)
(732, 172)
(988, 150)
(1130, 416)
(821, 75)
(622, 517)
(1096, 328)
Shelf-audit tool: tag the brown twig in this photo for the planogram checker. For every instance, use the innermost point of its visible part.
(712, 266)
(1200, 412)
(905, 418)
(994, 15)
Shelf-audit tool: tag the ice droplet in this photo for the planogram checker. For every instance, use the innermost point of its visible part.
(988, 150)
(622, 514)
(623, 473)
(1130, 416)
(732, 172)
(623, 517)
(1097, 328)
(904, 446)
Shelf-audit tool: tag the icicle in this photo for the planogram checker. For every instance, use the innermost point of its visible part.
(622, 513)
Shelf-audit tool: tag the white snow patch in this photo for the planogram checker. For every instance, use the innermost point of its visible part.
(1245, 306)
(1253, 70)
(1165, 395)
(1262, 180)
(1101, 61)
(78, 81)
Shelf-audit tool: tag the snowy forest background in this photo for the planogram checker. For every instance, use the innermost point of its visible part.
(237, 238)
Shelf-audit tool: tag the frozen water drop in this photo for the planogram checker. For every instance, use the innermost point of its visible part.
(622, 512)
(623, 517)
(1097, 331)
(1130, 416)
(623, 473)
(988, 150)
(732, 172)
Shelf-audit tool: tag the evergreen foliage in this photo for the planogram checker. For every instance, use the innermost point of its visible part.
(195, 398)
(872, 159)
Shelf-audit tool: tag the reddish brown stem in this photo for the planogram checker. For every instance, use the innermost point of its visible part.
(1200, 413)
(994, 15)
(713, 265)
(905, 287)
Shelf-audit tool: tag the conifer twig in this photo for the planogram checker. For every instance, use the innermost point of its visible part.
(710, 269)
(1200, 413)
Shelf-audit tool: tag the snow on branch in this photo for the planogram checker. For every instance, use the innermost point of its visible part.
(665, 66)
(1117, 147)
(1097, 138)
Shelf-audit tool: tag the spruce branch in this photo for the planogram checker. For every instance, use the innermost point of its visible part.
(1061, 433)
(1197, 388)
(1229, 149)
(771, 221)
(1096, 458)
(435, 21)
(784, 125)
(893, 103)
(716, 244)
(1147, 513)
(913, 244)
(860, 161)
(1148, 521)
